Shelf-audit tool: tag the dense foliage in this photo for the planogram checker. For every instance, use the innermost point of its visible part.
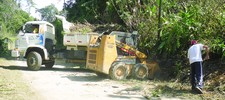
(193, 19)
(48, 13)
(58, 34)
(11, 20)
(182, 20)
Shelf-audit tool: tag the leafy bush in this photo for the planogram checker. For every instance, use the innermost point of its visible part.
(11, 20)
(5, 37)
(189, 20)
(3, 48)
(58, 33)
(183, 20)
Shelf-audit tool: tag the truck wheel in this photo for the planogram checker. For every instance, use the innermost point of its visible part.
(118, 71)
(139, 71)
(34, 61)
(50, 64)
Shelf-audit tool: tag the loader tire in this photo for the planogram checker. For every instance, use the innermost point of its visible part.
(34, 61)
(139, 71)
(118, 71)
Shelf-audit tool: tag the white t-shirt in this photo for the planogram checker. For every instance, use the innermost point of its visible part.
(194, 53)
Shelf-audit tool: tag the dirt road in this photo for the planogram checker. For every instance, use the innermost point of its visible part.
(64, 82)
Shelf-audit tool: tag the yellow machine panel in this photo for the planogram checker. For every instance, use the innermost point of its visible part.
(100, 57)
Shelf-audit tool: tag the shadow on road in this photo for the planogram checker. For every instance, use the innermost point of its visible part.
(78, 74)
(25, 68)
(72, 71)
(128, 97)
(86, 78)
(15, 68)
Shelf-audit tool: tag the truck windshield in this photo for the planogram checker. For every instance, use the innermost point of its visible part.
(31, 28)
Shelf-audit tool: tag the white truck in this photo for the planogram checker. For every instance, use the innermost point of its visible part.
(37, 47)
(40, 52)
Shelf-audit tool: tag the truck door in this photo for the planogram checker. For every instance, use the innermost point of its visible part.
(29, 36)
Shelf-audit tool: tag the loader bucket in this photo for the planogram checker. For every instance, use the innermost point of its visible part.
(154, 69)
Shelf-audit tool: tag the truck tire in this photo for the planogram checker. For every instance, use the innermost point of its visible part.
(118, 71)
(34, 61)
(50, 64)
(139, 71)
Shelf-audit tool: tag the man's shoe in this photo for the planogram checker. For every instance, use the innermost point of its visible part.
(199, 90)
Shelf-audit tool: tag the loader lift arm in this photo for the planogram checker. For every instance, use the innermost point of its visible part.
(126, 48)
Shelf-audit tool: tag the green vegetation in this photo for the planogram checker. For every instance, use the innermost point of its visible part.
(11, 20)
(183, 20)
(58, 33)
(48, 13)
(157, 90)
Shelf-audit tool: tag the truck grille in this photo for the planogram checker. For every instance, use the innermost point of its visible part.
(92, 56)
(92, 51)
(91, 62)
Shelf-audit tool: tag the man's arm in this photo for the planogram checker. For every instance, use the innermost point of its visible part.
(188, 54)
(207, 52)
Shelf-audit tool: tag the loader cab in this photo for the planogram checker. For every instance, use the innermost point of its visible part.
(126, 38)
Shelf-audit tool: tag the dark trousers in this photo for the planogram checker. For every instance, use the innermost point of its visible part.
(196, 75)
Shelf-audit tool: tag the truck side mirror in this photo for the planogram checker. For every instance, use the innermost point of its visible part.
(21, 32)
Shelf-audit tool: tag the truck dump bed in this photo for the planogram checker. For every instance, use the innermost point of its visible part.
(77, 39)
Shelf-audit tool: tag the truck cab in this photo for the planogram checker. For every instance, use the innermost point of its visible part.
(35, 42)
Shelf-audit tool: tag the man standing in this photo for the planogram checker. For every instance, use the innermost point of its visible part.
(195, 59)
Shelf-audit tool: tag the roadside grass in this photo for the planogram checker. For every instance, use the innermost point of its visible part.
(159, 90)
(182, 91)
(12, 86)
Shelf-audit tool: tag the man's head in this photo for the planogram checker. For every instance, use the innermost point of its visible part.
(194, 42)
(35, 30)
